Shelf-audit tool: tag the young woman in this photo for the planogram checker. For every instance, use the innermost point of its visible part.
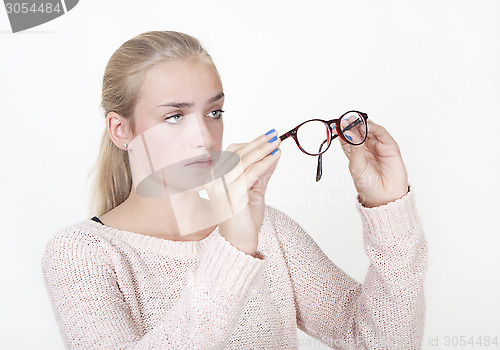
(160, 267)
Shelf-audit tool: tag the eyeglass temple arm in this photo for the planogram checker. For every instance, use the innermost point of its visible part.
(286, 135)
(352, 125)
(319, 169)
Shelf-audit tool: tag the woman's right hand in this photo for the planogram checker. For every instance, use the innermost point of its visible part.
(246, 187)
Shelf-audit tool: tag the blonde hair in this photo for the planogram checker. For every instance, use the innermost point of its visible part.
(123, 77)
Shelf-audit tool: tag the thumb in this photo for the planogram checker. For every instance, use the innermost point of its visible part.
(356, 156)
(353, 153)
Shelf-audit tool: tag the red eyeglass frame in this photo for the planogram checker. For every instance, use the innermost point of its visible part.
(330, 136)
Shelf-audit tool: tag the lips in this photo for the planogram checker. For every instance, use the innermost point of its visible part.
(201, 162)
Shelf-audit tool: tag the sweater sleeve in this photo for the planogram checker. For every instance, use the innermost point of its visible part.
(387, 310)
(92, 313)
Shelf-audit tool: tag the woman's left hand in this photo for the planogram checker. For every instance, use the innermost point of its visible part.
(376, 167)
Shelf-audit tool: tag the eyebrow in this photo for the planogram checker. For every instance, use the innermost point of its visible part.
(191, 104)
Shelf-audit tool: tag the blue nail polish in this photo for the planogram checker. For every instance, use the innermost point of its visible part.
(270, 132)
(348, 137)
(276, 150)
(273, 139)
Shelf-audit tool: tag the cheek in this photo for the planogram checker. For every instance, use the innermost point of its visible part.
(158, 147)
(217, 134)
(166, 148)
(142, 124)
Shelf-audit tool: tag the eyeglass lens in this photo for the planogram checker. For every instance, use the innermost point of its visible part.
(353, 127)
(310, 136)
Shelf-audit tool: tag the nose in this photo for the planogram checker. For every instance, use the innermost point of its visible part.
(202, 136)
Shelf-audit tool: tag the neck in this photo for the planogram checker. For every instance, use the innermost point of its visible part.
(183, 216)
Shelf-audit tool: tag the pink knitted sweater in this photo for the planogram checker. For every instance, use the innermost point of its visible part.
(113, 289)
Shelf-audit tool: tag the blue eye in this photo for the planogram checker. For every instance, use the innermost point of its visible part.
(174, 119)
(215, 114)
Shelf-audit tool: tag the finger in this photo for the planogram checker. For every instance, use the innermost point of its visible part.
(225, 161)
(259, 173)
(352, 152)
(261, 184)
(356, 155)
(346, 147)
(250, 156)
(379, 133)
(254, 179)
(257, 142)
(223, 158)
(235, 147)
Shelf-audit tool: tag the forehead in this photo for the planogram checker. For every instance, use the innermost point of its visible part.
(181, 79)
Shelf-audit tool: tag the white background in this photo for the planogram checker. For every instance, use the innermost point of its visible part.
(429, 71)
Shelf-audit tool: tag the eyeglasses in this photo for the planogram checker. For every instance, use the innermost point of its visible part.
(351, 127)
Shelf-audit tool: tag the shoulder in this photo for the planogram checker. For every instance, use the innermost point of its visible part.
(279, 223)
(293, 240)
(274, 217)
(80, 240)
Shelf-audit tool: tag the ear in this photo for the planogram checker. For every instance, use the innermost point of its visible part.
(119, 130)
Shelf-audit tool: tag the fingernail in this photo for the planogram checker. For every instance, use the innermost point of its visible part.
(276, 150)
(273, 139)
(348, 137)
(270, 132)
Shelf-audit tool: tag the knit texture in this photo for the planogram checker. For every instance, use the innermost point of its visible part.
(114, 289)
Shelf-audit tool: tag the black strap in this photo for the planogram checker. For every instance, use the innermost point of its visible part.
(96, 219)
